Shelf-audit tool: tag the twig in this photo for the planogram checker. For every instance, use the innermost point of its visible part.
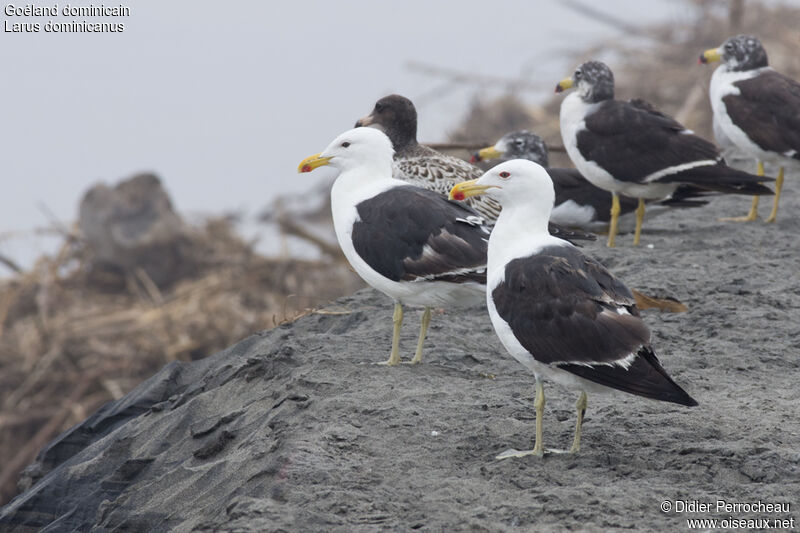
(41, 368)
(25, 418)
(327, 312)
(437, 92)
(43, 301)
(56, 222)
(474, 145)
(10, 263)
(7, 299)
(468, 77)
(286, 320)
(604, 17)
(149, 286)
(289, 226)
(113, 388)
(12, 468)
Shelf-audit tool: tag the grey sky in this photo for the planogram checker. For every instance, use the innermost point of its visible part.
(223, 99)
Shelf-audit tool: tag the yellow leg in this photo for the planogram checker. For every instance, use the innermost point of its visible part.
(639, 222)
(426, 320)
(612, 227)
(581, 407)
(538, 444)
(397, 318)
(753, 214)
(778, 185)
(538, 404)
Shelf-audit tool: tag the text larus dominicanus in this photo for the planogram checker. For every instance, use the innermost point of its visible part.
(559, 313)
(424, 167)
(756, 108)
(410, 243)
(579, 203)
(631, 148)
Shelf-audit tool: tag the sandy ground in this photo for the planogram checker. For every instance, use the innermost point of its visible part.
(296, 429)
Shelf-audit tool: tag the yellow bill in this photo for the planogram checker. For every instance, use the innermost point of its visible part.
(488, 153)
(465, 189)
(564, 84)
(311, 162)
(710, 55)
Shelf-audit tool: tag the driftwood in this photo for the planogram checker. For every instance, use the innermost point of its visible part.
(472, 145)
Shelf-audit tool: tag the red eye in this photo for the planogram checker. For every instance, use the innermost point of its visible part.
(504, 174)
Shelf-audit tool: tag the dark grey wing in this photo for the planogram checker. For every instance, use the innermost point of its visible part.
(570, 184)
(566, 308)
(687, 196)
(408, 233)
(644, 377)
(632, 141)
(570, 234)
(767, 109)
(568, 311)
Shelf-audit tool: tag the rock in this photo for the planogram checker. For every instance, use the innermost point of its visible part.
(134, 226)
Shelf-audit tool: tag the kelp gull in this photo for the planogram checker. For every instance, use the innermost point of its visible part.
(631, 148)
(578, 202)
(410, 243)
(756, 108)
(560, 313)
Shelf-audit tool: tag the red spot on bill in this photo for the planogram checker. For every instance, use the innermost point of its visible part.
(306, 168)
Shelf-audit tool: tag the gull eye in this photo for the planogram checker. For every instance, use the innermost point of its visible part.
(577, 74)
(504, 174)
(345, 144)
(729, 46)
(378, 107)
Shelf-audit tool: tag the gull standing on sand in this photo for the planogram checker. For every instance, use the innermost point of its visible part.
(756, 108)
(559, 313)
(631, 148)
(578, 203)
(410, 243)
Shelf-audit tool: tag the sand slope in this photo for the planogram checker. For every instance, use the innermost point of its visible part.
(295, 430)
